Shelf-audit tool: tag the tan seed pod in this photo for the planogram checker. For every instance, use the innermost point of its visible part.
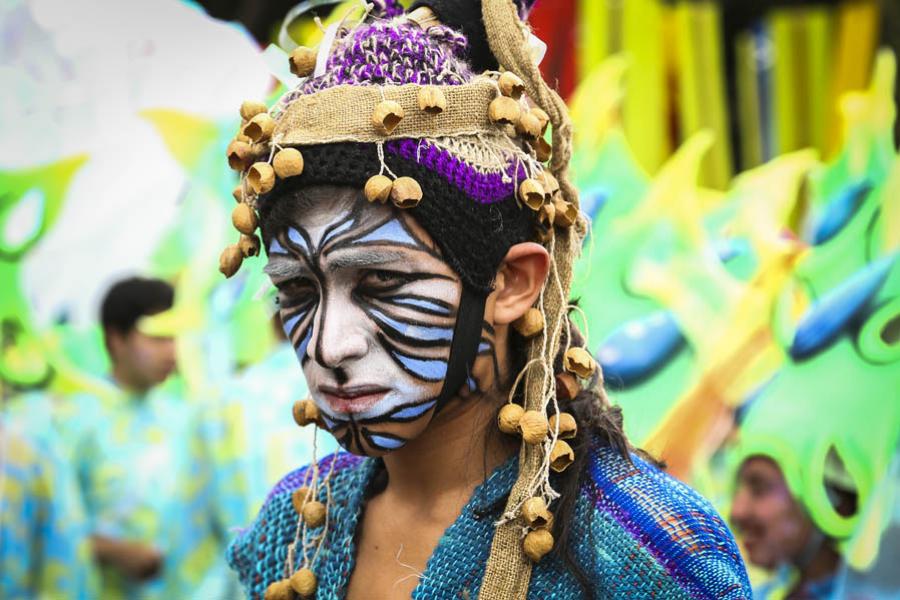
(561, 456)
(531, 193)
(566, 213)
(387, 116)
(542, 150)
(313, 513)
(537, 544)
(550, 184)
(278, 590)
(239, 136)
(287, 163)
(251, 108)
(546, 215)
(542, 117)
(432, 100)
(567, 387)
(238, 193)
(378, 188)
(306, 412)
(304, 583)
(260, 151)
(568, 428)
(230, 260)
(239, 155)
(504, 111)
(249, 245)
(302, 61)
(406, 192)
(298, 498)
(528, 126)
(261, 178)
(549, 524)
(535, 512)
(260, 127)
(508, 419)
(244, 219)
(530, 324)
(580, 362)
(511, 85)
(533, 426)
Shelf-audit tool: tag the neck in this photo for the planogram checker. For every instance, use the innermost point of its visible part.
(454, 455)
(819, 563)
(125, 381)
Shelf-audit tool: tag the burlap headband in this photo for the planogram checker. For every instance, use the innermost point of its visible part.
(354, 113)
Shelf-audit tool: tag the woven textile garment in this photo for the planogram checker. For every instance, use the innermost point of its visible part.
(636, 533)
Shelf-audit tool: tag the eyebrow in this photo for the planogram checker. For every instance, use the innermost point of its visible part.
(283, 268)
(363, 258)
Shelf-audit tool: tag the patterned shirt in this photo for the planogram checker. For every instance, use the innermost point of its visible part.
(636, 532)
(44, 549)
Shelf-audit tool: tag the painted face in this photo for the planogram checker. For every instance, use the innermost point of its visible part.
(773, 526)
(370, 306)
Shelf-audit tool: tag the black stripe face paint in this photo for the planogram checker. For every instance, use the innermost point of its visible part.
(370, 306)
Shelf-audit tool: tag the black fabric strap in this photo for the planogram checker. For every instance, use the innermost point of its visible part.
(464, 347)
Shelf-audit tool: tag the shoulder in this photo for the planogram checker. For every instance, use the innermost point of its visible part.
(258, 553)
(679, 528)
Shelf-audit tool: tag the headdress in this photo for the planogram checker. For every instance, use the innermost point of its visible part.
(402, 107)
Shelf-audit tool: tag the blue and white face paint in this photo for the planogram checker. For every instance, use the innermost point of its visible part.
(370, 306)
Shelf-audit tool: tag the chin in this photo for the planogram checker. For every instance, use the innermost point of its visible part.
(376, 432)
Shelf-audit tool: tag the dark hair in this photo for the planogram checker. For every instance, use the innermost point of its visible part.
(130, 299)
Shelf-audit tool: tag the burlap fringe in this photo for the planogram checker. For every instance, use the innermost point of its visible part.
(508, 571)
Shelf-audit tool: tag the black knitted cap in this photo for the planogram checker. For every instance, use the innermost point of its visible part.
(473, 237)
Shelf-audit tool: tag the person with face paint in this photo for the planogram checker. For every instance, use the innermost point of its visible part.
(420, 231)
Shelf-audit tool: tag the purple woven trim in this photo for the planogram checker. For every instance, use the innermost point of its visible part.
(667, 552)
(625, 521)
(299, 477)
(485, 188)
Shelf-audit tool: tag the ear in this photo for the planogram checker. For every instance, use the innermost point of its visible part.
(519, 281)
(114, 341)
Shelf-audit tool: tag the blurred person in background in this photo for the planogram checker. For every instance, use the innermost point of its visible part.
(44, 545)
(779, 536)
(144, 471)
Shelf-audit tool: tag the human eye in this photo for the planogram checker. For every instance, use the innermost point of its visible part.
(381, 280)
(294, 291)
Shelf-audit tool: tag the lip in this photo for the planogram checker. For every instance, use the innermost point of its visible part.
(352, 399)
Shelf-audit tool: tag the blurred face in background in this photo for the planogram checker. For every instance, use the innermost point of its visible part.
(140, 361)
(773, 526)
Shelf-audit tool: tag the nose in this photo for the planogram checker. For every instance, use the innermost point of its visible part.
(339, 334)
(740, 507)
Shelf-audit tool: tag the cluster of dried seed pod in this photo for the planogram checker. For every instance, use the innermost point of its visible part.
(539, 541)
(301, 584)
(542, 195)
(249, 153)
(530, 124)
(404, 192)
